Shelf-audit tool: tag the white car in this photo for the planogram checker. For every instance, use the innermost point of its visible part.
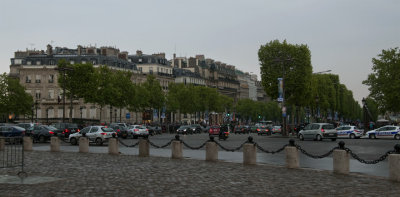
(388, 131)
(348, 131)
(138, 131)
(97, 134)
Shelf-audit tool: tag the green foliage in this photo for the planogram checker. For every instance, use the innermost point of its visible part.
(384, 82)
(247, 108)
(153, 93)
(293, 63)
(13, 98)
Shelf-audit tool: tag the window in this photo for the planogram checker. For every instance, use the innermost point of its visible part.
(51, 94)
(315, 126)
(72, 62)
(140, 60)
(37, 79)
(93, 112)
(51, 78)
(17, 61)
(28, 62)
(38, 62)
(28, 79)
(50, 112)
(37, 94)
(94, 129)
(60, 112)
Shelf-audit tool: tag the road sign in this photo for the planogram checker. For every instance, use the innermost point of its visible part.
(128, 115)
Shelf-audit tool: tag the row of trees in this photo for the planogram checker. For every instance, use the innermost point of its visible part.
(14, 100)
(317, 93)
(106, 87)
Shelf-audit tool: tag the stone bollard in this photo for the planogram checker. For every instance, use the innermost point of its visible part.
(2, 143)
(27, 143)
(341, 160)
(177, 147)
(394, 165)
(113, 147)
(249, 152)
(54, 144)
(292, 155)
(83, 145)
(144, 148)
(211, 151)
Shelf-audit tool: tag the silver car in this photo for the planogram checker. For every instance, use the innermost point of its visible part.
(318, 131)
(138, 131)
(97, 134)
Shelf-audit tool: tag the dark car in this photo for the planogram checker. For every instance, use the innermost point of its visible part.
(154, 130)
(11, 131)
(43, 133)
(264, 130)
(120, 130)
(241, 129)
(28, 127)
(196, 128)
(184, 129)
(66, 128)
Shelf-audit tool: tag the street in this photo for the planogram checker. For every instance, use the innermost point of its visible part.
(367, 149)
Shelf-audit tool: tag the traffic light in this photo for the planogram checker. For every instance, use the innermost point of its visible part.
(228, 114)
(259, 116)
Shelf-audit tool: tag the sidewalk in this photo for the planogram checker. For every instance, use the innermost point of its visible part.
(101, 174)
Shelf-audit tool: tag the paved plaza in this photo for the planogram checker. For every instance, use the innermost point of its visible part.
(101, 174)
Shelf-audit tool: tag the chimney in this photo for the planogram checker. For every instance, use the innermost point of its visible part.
(139, 53)
(49, 50)
(79, 50)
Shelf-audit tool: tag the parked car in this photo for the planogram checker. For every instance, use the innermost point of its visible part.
(121, 130)
(12, 131)
(318, 131)
(388, 131)
(241, 129)
(28, 127)
(136, 131)
(276, 129)
(196, 128)
(154, 130)
(66, 128)
(214, 130)
(43, 133)
(348, 131)
(205, 129)
(184, 129)
(97, 134)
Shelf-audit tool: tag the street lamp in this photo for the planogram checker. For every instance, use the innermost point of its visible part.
(81, 111)
(317, 108)
(364, 102)
(36, 108)
(63, 69)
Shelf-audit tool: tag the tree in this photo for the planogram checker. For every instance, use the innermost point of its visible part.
(13, 98)
(384, 82)
(288, 60)
(153, 93)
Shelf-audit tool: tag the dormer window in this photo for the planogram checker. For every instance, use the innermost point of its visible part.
(140, 60)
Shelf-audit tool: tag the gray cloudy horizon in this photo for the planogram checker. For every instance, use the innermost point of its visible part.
(342, 35)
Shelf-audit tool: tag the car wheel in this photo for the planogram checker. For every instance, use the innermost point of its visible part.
(319, 138)
(99, 141)
(301, 137)
(73, 141)
(333, 139)
(372, 136)
(42, 139)
(397, 137)
(352, 136)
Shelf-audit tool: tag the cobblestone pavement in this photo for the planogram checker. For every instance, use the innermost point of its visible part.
(99, 174)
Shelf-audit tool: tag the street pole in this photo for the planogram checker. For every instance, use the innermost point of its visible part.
(36, 106)
(365, 116)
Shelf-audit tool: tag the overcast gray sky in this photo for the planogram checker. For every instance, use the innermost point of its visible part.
(343, 35)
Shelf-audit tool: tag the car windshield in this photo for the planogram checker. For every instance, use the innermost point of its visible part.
(49, 127)
(184, 127)
(71, 125)
(107, 129)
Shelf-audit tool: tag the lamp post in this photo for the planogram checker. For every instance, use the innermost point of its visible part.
(317, 108)
(36, 108)
(81, 111)
(47, 115)
(284, 131)
(364, 102)
(63, 69)
(115, 115)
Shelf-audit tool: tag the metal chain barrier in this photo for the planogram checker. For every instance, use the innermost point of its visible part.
(272, 152)
(315, 156)
(381, 158)
(163, 146)
(194, 148)
(133, 145)
(228, 149)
